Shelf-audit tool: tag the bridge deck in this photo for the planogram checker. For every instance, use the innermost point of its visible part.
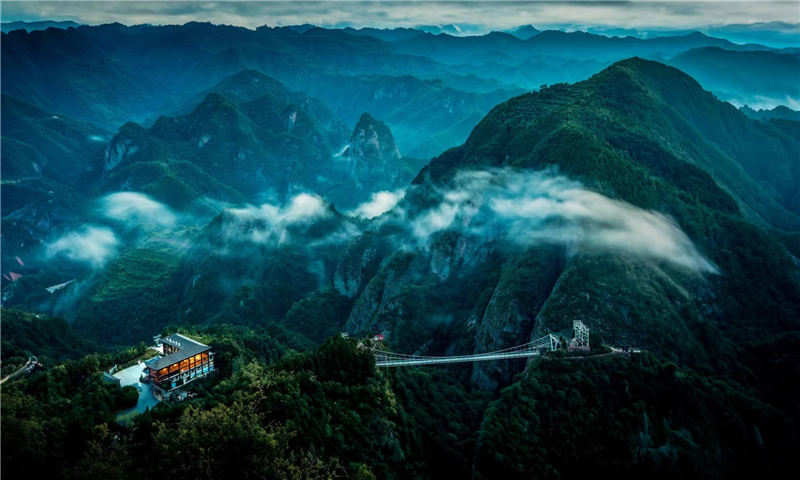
(399, 362)
(391, 359)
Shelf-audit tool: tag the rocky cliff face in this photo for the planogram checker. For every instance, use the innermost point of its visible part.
(525, 284)
(118, 150)
(372, 155)
(381, 294)
(454, 249)
(660, 314)
(357, 264)
(373, 142)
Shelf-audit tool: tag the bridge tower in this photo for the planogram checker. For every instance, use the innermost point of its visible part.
(581, 333)
(581, 340)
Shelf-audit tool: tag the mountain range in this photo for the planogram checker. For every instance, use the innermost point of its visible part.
(295, 196)
(230, 149)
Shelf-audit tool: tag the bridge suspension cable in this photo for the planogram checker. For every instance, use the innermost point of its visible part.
(390, 359)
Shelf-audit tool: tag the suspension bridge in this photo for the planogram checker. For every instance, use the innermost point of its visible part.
(384, 358)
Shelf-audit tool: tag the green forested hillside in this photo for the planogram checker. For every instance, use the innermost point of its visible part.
(44, 154)
(50, 339)
(604, 416)
(328, 413)
(641, 99)
(61, 146)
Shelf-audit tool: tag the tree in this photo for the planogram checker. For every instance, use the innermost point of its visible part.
(232, 442)
(595, 340)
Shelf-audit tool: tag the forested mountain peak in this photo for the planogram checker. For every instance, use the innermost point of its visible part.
(248, 84)
(626, 134)
(641, 97)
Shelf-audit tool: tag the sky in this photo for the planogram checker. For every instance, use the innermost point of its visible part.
(477, 17)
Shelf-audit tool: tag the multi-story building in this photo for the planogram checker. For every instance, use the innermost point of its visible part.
(184, 360)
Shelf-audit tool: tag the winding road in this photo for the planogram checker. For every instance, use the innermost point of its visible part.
(32, 362)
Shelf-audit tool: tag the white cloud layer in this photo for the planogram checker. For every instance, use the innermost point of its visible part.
(483, 16)
(91, 245)
(540, 208)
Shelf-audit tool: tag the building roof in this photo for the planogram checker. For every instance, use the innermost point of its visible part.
(180, 341)
(188, 348)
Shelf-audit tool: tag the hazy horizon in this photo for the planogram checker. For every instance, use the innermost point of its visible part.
(470, 17)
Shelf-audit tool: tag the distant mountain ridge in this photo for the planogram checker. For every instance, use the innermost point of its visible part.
(523, 32)
(768, 77)
(576, 44)
(385, 34)
(40, 25)
(779, 112)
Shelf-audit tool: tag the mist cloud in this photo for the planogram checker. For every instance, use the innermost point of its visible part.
(531, 208)
(136, 208)
(380, 203)
(300, 208)
(268, 222)
(90, 245)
